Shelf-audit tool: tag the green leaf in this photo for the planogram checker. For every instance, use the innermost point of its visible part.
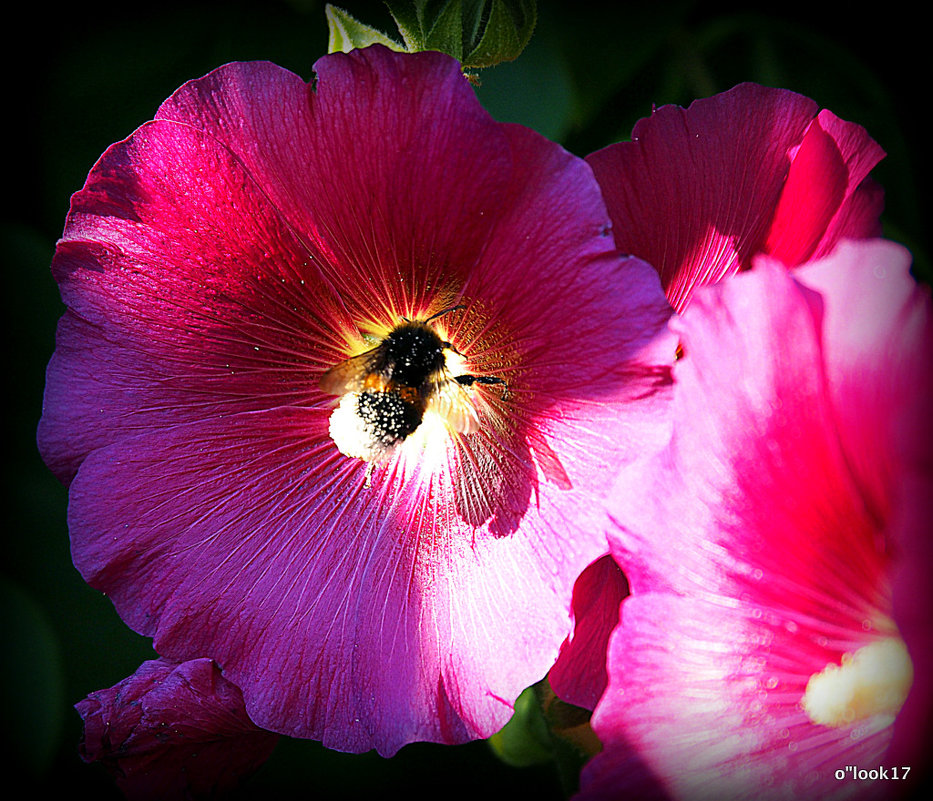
(347, 33)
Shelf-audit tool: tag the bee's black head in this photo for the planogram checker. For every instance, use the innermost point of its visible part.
(412, 353)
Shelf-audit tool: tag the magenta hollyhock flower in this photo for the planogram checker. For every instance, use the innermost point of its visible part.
(699, 191)
(778, 631)
(173, 731)
(374, 555)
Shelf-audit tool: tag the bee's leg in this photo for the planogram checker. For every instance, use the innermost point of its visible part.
(442, 312)
(470, 380)
(368, 480)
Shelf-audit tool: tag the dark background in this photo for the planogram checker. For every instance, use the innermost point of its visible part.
(82, 77)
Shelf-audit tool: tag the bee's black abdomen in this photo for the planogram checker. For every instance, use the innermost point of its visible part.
(411, 354)
(387, 416)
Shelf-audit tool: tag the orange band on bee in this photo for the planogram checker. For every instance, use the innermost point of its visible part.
(376, 382)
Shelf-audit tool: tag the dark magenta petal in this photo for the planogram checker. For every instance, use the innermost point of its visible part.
(859, 214)
(698, 192)
(254, 235)
(383, 195)
(825, 197)
(193, 296)
(813, 191)
(579, 675)
(681, 194)
(173, 731)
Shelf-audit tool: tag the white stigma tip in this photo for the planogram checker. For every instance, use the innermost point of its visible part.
(872, 681)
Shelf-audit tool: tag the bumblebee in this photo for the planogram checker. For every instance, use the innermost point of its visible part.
(387, 390)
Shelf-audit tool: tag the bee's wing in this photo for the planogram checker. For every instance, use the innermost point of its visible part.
(348, 375)
(452, 402)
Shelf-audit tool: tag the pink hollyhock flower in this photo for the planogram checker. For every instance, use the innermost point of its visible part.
(778, 549)
(391, 559)
(173, 731)
(699, 191)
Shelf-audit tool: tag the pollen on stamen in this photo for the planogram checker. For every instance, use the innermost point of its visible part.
(873, 681)
(350, 432)
(356, 437)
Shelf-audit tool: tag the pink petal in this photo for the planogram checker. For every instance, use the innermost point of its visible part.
(173, 731)
(912, 595)
(707, 694)
(390, 621)
(877, 336)
(754, 428)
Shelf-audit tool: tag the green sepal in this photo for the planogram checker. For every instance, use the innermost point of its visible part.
(508, 30)
(524, 740)
(408, 21)
(346, 33)
(429, 25)
(573, 741)
(478, 33)
(445, 32)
